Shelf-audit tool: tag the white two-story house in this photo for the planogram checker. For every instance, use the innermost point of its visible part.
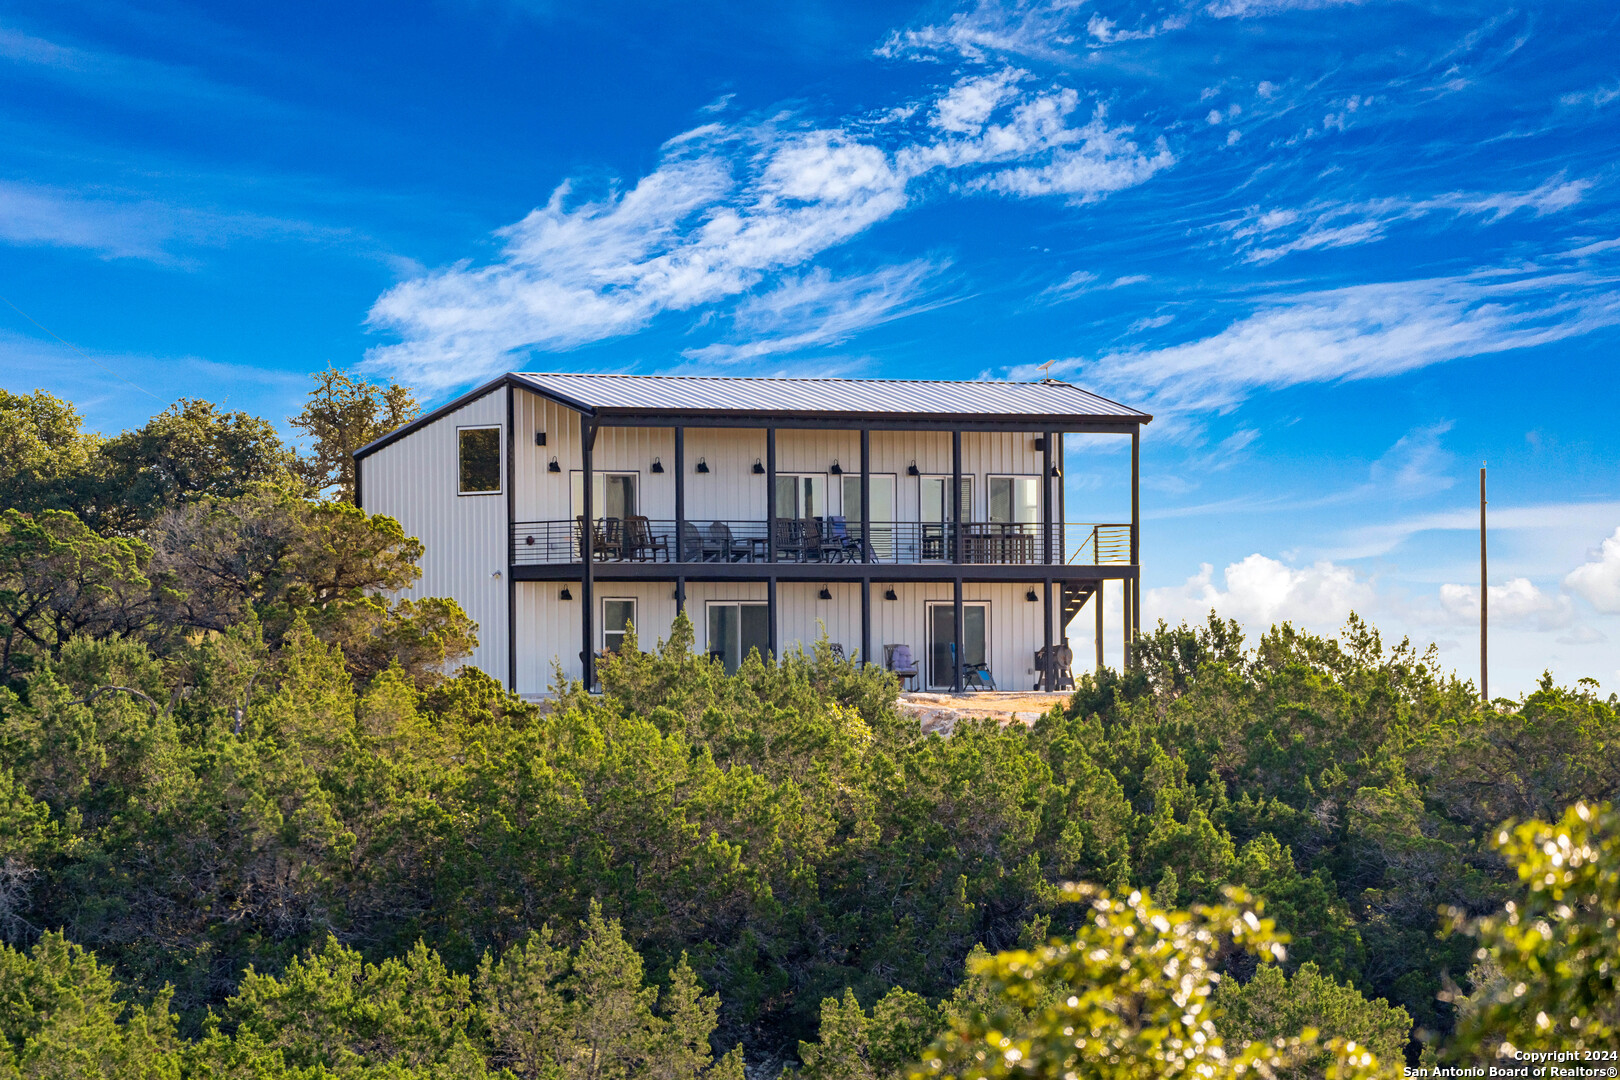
(560, 509)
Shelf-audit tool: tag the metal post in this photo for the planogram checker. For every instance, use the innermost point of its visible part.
(1062, 515)
(1134, 617)
(957, 651)
(954, 499)
(1047, 666)
(770, 513)
(680, 594)
(866, 621)
(770, 612)
(680, 495)
(1046, 501)
(1097, 599)
(587, 546)
(509, 479)
(866, 499)
(1484, 601)
(1125, 621)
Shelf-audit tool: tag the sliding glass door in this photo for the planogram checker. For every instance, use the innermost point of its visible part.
(735, 628)
(942, 640)
(882, 512)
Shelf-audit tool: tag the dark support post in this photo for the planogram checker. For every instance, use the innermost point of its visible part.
(866, 621)
(1125, 621)
(1046, 506)
(680, 499)
(1484, 658)
(1097, 599)
(680, 594)
(770, 516)
(587, 545)
(1135, 593)
(510, 481)
(1062, 514)
(957, 652)
(1047, 667)
(955, 517)
(770, 611)
(866, 504)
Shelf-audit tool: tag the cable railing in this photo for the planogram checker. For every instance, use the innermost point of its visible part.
(818, 540)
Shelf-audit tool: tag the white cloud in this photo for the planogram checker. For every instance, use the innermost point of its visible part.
(1262, 591)
(1597, 97)
(1245, 9)
(728, 209)
(1416, 465)
(1598, 581)
(1357, 332)
(1040, 29)
(1517, 603)
(817, 309)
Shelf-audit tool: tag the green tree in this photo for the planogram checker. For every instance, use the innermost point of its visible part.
(1272, 1005)
(47, 460)
(342, 415)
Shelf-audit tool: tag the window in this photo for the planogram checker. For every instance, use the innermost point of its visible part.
(801, 495)
(480, 460)
(617, 618)
(735, 629)
(1015, 499)
(942, 640)
(613, 495)
(933, 497)
(882, 486)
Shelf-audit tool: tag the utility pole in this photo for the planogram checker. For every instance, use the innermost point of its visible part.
(1484, 601)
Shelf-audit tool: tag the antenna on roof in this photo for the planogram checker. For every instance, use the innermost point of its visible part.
(1046, 370)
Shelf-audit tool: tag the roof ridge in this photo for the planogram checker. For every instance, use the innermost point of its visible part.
(794, 378)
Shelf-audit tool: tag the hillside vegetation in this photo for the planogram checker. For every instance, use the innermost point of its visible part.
(255, 821)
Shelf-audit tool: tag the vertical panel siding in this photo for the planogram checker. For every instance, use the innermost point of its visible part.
(415, 481)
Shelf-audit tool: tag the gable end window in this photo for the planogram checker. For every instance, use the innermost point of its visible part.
(480, 460)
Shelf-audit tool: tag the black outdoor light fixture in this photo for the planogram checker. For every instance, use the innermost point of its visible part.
(539, 438)
(1040, 443)
(825, 593)
(1030, 596)
(836, 469)
(565, 594)
(1056, 471)
(758, 468)
(912, 470)
(702, 466)
(554, 467)
(657, 465)
(889, 594)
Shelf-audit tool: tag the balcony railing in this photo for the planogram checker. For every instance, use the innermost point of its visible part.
(818, 540)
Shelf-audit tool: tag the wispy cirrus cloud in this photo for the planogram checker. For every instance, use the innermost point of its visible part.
(1267, 235)
(730, 208)
(1356, 332)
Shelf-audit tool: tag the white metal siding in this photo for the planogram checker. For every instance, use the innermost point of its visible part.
(415, 481)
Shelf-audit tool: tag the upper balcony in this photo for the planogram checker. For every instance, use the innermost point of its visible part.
(828, 540)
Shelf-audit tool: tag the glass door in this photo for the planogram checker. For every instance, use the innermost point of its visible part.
(735, 629)
(613, 495)
(801, 495)
(931, 508)
(882, 486)
(942, 640)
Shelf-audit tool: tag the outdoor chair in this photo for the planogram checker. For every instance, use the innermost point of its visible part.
(898, 659)
(693, 546)
(849, 548)
(933, 540)
(641, 543)
(789, 539)
(1062, 667)
(977, 677)
(728, 548)
(607, 539)
(814, 549)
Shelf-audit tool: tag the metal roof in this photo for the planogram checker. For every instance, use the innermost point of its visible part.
(919, 398)
(758, 402)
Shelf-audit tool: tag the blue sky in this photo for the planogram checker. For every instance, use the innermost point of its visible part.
(1345, 252)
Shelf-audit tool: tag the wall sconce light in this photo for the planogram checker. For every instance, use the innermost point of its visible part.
(496, 575)
(889, 593)
(836, 469)
(565, 594)
(539, 438)
(825, 593)
(758, 468)
(1056, 471)
(912, 470)
(1030, 596)
(1040, 444)
(657, 465)
(554, 467)
(702, 466)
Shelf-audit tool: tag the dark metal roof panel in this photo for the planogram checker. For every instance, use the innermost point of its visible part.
(855, 397)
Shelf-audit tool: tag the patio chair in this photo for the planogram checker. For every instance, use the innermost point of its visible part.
(641, 543)
(977, 677)
(693, 547)
(849, 548)
(789, 539)
(726, 547)
(933, 540)
(898, 659)
(815, 550)
(607, 539)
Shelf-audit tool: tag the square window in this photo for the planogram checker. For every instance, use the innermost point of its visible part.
(480, 460)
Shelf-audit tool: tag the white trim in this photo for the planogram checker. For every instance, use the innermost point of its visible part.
(500, 456)
(928, 637)
(602, 630)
